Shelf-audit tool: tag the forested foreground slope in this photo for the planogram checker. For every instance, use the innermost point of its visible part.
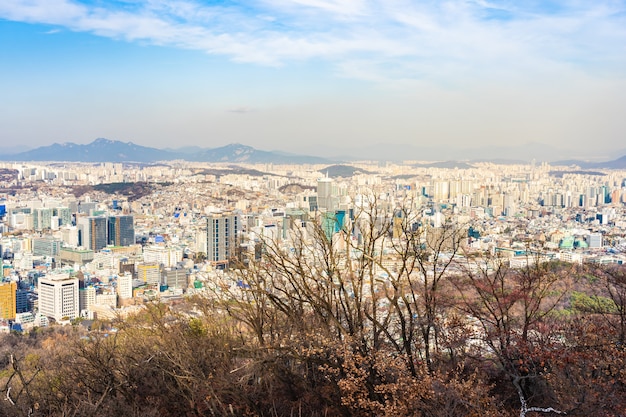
(315, 332)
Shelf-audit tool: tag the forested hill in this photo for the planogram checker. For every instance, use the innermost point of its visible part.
(283, 337)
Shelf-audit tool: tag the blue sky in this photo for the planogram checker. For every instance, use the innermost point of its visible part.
(301, 75)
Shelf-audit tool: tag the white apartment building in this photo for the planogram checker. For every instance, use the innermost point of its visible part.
(58, 296)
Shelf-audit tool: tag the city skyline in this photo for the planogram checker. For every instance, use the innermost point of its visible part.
(304, 75)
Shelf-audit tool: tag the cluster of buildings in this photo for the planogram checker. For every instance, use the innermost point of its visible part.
(99, 255)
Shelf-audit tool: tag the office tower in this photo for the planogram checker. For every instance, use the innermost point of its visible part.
(221, 238)
(175, 278)
(21, 300)
(8, 306)
(46, 246)
(125, 286)
(93, 232)
(121, 230)
(149, 273)
(86, 298)
(58, 297)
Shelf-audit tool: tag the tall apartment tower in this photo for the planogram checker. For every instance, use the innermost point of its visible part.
(63, 214)
(327, 198)
(221, 238)
(42, 218)
(121, 230)
(58, 296)
(8, 300)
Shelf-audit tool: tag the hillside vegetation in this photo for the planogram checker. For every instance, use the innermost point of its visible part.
(322, 331)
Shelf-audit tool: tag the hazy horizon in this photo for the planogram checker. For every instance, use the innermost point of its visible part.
(302, 75)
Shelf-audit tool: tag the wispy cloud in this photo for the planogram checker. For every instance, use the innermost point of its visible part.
(402, 39)
(240, 109)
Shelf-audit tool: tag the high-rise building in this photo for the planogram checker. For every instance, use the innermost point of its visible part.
(69, 235)
(58, 296)
(93, 232)
(121, 230)
(125, 286)
(326, 194)
(46, 246)
(7, 300)
(175, 278)
(21, 300)
(42, 218)
(221, 238)
(150, 273)
(63, 214)
(86, 298)
(96, 232)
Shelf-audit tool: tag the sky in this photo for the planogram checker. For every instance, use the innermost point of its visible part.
(315, 76)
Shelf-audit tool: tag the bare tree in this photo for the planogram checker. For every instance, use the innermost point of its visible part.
(509, 307)
(613, 285)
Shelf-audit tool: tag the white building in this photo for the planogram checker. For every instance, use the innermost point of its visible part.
(86, 298)
(125, 286)
(167, 257)
(21, 221)
(571, 257)
(109, 300)
(58, 296)
(69, 235)
(594, 240)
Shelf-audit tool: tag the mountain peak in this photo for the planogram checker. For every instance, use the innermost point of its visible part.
(237, 146)
(104, 141)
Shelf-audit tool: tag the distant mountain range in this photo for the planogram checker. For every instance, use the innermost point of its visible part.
(619, 163)
(432, 151)
(105, 150)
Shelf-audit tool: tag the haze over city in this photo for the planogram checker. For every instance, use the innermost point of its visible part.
(314, 76)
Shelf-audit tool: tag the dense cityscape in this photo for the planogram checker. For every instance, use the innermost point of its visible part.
(312, 208)
(86, 243)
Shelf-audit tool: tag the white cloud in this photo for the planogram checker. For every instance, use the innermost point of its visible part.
(343, 8)
(403, 39)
